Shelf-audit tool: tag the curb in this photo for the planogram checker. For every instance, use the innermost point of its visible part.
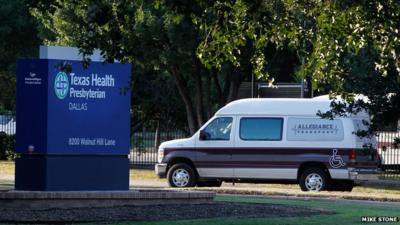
(304, 195)
(78, 199)
(328, 199)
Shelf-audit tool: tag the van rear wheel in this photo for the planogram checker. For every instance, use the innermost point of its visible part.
(181, 175)
(314, 179)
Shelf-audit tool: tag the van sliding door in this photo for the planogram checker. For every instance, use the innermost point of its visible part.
(258, 153)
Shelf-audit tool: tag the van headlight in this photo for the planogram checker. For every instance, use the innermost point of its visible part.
(160, 155)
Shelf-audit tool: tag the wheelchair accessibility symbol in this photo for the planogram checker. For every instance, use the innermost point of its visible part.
(335, 160)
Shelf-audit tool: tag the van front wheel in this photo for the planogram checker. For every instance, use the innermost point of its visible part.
(314, 179)
(181, 175)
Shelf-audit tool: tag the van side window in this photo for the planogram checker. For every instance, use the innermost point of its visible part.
(219, 129)
(262, 129)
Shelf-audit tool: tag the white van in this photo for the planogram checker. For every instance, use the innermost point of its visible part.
(272, 140)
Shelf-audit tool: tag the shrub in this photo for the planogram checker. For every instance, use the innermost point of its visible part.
(7, 147)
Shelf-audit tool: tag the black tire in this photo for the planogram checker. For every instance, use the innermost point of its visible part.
(211, 183)
(342, 185)
(314, 179)
(181, 175)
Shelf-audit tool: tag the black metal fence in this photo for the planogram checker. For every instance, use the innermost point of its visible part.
(7, 123)
(144, 145)
(146, 138)
(389, 153)
(7, 135)
(147, 133)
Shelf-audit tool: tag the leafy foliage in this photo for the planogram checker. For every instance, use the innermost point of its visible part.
(344, 47)
(18, 35)
(158, 41)
(7, 147)
(230, 28)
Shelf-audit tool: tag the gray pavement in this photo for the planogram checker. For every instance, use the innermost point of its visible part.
(6, 182)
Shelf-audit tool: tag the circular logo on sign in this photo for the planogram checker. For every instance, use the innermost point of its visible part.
(61, 85)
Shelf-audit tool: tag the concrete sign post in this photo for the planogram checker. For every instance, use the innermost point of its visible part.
(73, 124)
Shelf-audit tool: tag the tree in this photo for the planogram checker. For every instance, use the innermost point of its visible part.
(155, 100)
(18, 32)
(208, 48)
(344, 47)
(354, 51)
(156, 37)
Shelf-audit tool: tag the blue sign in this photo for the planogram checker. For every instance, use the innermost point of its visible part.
(63, 108)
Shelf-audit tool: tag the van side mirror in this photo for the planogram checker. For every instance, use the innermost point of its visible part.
(203, 135)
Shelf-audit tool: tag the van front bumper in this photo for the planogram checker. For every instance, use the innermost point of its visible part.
(161, 170)
(364, 175)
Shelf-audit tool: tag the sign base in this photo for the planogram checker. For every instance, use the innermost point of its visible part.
(72, 173)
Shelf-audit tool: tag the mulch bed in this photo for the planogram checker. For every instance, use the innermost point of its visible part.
(155, 213)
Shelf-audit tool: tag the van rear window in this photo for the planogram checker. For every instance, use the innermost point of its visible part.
(261, 129)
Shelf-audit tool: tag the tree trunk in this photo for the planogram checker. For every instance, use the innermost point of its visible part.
(199, 94)
(207, 97)
(227, 87)
(214, 75)
(157, 136)
(184, 93)
(234, 85)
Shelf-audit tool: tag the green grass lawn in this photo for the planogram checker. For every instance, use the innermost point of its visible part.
(141, 174)
(346, 213)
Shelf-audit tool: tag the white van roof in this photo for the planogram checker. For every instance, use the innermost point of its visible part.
(278, 106)
(356, 97)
